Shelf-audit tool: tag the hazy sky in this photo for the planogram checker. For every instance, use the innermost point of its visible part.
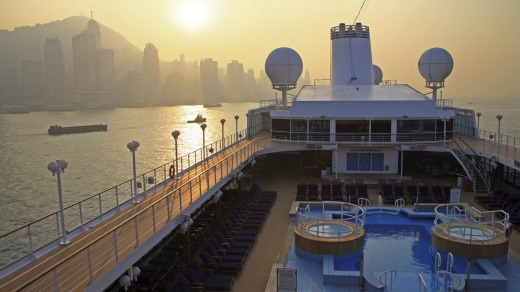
(483, 36)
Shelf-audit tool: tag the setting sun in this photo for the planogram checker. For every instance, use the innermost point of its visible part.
(192, 15)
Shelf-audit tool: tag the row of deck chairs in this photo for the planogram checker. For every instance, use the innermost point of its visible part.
(331, 192)
(501, 200)
(221, 258)
(414, 193)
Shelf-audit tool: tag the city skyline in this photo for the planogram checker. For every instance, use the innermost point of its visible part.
(480, 35)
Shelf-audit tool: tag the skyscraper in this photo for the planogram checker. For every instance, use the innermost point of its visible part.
(105, 69)
(32, 81)
(54, 66)
(151, 71)
(235, 80)
(85, 62)
(209, 79)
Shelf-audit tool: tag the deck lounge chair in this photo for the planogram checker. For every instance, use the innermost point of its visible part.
(424, 194)
(312, 192)
(326, 192)
(301, 192)
(387, 193)
(337, 192)
(197, 276)
(412, 193)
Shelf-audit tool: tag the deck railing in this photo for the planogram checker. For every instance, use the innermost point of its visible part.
(347, 212)
(461, 221)
(27, 240)
(112, 244)
(364, 138)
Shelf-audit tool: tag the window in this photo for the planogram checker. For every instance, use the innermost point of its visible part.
(365, 161)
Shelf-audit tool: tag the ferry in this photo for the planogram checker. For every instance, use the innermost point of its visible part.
(344, 140)
(59, 130)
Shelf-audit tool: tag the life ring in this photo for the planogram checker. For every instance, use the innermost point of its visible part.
(509, 230)
(172, 171)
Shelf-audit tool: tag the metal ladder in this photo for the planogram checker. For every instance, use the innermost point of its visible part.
(388, 276)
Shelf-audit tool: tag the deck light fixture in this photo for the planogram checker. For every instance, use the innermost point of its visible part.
(175, 135)
(57, 168)
(236, 128)
(499, 118)
(132, 146)
(203, 127)
(222, 121)
(478, 120)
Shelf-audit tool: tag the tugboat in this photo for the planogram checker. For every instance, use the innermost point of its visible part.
(198, 119)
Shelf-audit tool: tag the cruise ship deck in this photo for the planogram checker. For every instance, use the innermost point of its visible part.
(196, 186)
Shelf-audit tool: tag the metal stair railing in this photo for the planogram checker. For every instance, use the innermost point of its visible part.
(479, 167)
(474, 168)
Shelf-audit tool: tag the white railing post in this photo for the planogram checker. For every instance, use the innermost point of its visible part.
(116, 252)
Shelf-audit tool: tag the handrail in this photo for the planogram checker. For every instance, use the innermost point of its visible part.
(390, 273)
(174, 193)
(422, 283)
(450, 261)
(438, 261)
(303, 217)
(449, 280)
(39, 233)
(453, 214)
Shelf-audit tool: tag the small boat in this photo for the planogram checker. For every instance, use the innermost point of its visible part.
(198, 119)
(59, 130)
(206, 105)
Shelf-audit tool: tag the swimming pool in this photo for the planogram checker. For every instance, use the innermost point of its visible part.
(392, 242)
(401, 243)
(329, 230)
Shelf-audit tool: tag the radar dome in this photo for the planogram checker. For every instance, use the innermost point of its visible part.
(435, 65)
(284, 66)
(378, 74)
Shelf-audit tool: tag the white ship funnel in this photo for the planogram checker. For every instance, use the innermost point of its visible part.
(351, 55)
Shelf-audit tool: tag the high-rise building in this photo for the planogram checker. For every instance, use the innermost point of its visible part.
(209, 79)
(151, 71)
(32, 81)
(54, 66)
(85, 62)
(94, 29)
(235, 80)
(105, 69)
(94, 68)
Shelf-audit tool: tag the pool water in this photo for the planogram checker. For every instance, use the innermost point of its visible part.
(329, 230)
(398, 242)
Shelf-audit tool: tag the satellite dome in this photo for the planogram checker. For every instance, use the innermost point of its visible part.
(435, 65)
(378, 74)
(283, 66)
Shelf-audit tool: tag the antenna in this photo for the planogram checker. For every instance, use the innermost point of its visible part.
(359, 12)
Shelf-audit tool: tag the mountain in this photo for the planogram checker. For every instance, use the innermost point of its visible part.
(27, 43)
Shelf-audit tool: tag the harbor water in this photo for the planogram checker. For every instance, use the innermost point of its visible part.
(101, 160)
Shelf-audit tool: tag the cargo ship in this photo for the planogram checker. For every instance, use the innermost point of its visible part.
(59, 130)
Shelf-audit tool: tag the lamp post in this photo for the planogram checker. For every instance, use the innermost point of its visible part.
(57, 168)
(175, 135)
(222, 121)
(478, 120)
(499, 118)
(132, 146)
(236, 128)
(203, 127)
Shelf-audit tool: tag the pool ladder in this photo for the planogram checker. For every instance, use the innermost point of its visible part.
(388, 276)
